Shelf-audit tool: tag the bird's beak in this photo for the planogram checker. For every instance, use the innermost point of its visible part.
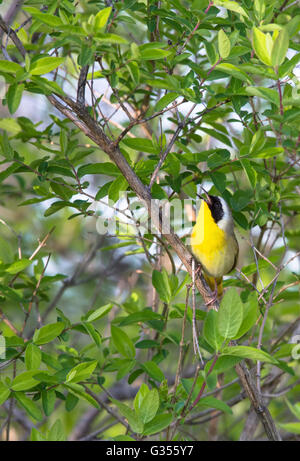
(207, 197)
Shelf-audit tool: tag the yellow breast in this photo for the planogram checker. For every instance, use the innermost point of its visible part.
(212, 247)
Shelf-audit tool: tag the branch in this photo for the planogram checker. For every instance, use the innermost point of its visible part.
(257, 402)
(11, 34)
(81, 85)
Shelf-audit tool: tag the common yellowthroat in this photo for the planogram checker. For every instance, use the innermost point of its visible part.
(213, 241)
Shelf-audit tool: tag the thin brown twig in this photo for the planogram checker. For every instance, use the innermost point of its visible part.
(35, 293)
(181, 345)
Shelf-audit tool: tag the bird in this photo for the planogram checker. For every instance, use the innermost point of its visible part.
(213, 242)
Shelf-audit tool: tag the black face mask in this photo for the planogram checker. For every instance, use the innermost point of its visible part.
(216, 208)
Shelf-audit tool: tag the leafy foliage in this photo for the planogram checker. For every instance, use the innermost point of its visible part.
(93, 302)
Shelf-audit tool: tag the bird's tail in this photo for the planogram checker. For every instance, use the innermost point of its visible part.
(211, 281)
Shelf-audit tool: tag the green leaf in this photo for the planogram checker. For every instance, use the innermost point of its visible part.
(158, 424)
(141, 144)
(153, 370)
(262, 46)
(45, 65)
(71, 401)
(14, 96)
(232, 6)
(101, 18)
(134, 71)
(123, 438)
(259, 8)
(6, 148)
(234, 71)
(36, 436)
(48, 401)
(154, 53)
(146, 344)
(78, 391)
(295, 409)
(103, 191)
(248, 352)
(294, 428)
(280, 48)
(106, 168)
(116, 188)
(225, 363)
(46, 86)
(265, 93)
(250, 171)
(230, 315)
(224, 44)
(31, 407)
(211, 52)
(111, 39)
(18, 266)
(215, 134)
(81, 372)
(7, 172)
(14, 341)
(250, 315)
(124, 366)
(268, 152)
(133, 420)
(10, 67)
(141, 394)
(56, 432)
(46, 18)
(165, 101)
(55, 207)
(219, 180)
(122, 342)
(210, 330)
(145, 315)
(212, 402)
(258, 141)
(149, 406)
(160, 281)
(4, 393)
(47, 333)
(33, 357)
(25, 381)
(94, 334)
(11, 125)
(99, 312)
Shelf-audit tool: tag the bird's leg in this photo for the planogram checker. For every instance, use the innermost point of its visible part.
(198, 270)
(215, 294)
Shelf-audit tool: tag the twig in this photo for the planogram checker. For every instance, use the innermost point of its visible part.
(204, 383)
(179, 365)
(41, 245)
(81, 85)
(34, 293)
(12, 34)
(261, 330)
(195, 333)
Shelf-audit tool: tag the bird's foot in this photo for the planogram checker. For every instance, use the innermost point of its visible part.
(212, 300)
(215, 295)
